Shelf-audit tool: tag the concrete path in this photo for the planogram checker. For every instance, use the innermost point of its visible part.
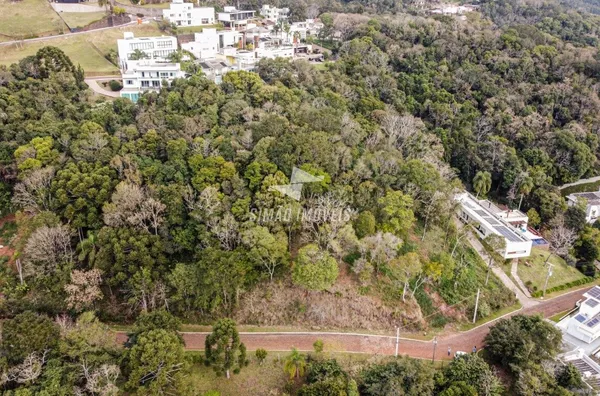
(525, 301)
(581, 181)
(94, 86)
(515, 275)
(380, 344)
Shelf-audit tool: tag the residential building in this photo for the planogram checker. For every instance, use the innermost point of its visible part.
(154, 48)
(185, 14)
(309, 27)
(210, 42)
(592, 204)
(453, 9)
(234, 18)
(274, 14)
(148, 75)
(215, 70)
(584, 324)
(486, 222)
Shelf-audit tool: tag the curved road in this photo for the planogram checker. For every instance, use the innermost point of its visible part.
(377, 344)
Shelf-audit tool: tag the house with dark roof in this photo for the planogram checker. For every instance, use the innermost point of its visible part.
(592, 202)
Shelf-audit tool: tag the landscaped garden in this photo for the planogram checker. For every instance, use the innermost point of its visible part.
(533, 271)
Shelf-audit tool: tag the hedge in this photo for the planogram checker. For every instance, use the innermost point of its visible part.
(565, 286)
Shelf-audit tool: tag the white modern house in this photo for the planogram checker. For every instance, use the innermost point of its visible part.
(185, 14)
(274, 14)
(215, 70)
(592, 201)
(585, 323)
(486, 222)
(210, 42)
(233, 18)
(310, 27)
(148, 75)
(154, 48)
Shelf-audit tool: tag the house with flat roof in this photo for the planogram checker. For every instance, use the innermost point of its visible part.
(233, 18)
(592, 202)
(185, 14)
(153, 48)
(147, 75)
(585, 323)
(274, 14)
(486, 222)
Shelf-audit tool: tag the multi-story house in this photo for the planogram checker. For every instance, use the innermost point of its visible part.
(185, 14)
(274, 14)
(148, 75)
(151, 48)
(234, 18)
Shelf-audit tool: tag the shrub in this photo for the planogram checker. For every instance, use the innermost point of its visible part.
(119, 11)
(578, 282)
(115, 85)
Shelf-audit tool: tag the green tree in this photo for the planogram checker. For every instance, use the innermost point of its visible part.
(154, 364)
(397, 215)
(534, 218)
(223, 349)
(26, 333)
(473, 371)
(403, 376)
(266, 250)
(482, 183)
(522, 340)
(365, 224)
(314, 269)
(295, 364)
(569, 377)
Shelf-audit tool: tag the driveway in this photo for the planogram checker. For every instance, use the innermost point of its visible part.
(99, 89)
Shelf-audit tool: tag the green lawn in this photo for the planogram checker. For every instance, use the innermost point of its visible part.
(81, 19)
(88, 49)
(28, 18)
(533, 269)
(159, 5)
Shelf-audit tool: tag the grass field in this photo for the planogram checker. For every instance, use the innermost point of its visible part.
(87, 49)
(266, 379)
(533, 269)
(28, 18)
(81, 19)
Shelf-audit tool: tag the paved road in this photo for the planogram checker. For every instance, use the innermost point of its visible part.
(581, 181)
(4, 43)
(383, 345)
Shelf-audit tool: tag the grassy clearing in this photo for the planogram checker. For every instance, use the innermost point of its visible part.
(532, 269)
(494, 316)
(593, 186)
(159, 5)
(197, 29)
(266, 379)
(86, 49)
(28, 18)
(81, 19)
(556, 318)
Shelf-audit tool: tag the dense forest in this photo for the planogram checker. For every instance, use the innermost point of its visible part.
(174, 203)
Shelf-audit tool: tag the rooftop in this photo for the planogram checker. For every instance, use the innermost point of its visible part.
(592, 197)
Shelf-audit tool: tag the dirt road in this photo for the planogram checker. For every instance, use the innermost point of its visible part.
(384, 345)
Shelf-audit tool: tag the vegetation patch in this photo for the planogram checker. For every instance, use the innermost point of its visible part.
(27, 19)
(533, 271)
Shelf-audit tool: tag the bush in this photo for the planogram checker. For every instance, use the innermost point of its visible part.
(565, 286)
(119, 11)
(115, 85)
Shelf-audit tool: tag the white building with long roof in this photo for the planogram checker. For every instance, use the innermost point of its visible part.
(486, 222)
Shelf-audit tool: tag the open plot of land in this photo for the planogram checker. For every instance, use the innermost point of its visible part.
(28, 18)
(266, 379)
(533, 269)
(81, 19)
(86, 49)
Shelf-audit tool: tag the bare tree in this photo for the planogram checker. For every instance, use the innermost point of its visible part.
(131, 205)
(28, 371)
(560, 238)
(47, 248)
(101, 380)
(33, 193)
(84, 289)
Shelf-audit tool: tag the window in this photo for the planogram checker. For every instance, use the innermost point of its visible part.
(155, 84)
(145, 84)
(143, 74)
(164, 75)
(128, 82)
(141, 46)
(171, 74)
(204, 21)
(163, 44)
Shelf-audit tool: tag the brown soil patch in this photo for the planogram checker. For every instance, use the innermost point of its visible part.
(341, 308)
